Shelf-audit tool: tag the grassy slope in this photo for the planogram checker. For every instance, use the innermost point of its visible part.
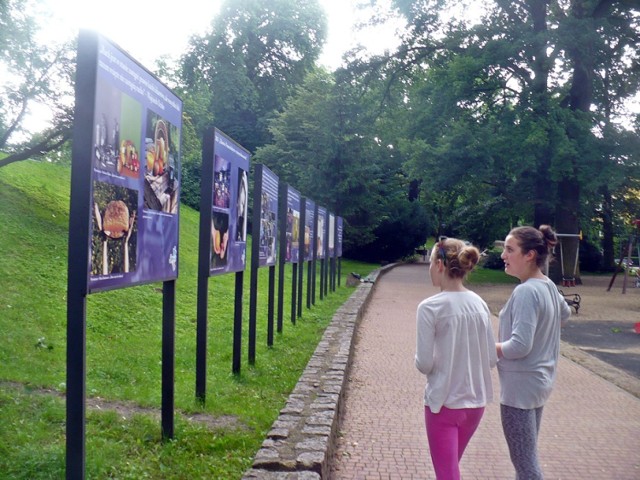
(124, 352)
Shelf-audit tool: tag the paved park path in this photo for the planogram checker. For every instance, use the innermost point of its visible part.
(590, 427)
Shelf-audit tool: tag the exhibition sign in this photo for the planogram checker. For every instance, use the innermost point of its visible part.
(339, 232)
(135, 173)
(230, 206)
(332, 235)
(292, 253)
(320, 233)
(268, 218)
(123, 214)
(309, 229)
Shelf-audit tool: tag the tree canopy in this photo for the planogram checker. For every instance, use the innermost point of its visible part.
(506, 116)
(255, 55)
(32, 74)
(472, 126)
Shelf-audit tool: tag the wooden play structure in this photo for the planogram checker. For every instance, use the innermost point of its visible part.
(569, 280)
(633, 242)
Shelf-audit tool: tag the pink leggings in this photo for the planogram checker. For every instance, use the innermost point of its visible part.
(449, 432)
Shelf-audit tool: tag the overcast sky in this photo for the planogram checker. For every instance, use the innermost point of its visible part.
(147, 29)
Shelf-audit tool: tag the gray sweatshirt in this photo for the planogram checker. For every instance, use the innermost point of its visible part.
(530, 335)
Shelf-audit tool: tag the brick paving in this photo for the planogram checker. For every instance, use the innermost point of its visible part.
(590, 427)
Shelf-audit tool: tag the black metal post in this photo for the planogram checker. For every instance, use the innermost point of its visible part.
(78, 252)
(204, 263)
(168, 356)
(294, 293)
(237, 324)
(255, 262)
(283, 190)
(272, 284)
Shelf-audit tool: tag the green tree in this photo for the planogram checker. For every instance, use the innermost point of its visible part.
(254, 56)
(32, 74)
(513, 98)
(329, 142)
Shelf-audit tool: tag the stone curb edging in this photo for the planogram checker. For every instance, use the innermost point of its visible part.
(612, 374)
(302, 440)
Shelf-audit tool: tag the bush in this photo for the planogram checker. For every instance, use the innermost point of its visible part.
(590, 257)
(395, 237)
(492, 260)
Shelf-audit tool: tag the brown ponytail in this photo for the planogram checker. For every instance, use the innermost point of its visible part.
(541, 240)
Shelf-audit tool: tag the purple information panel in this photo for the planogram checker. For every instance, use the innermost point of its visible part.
(309, 229)
(322, 220)
(339, 228)
(292, 254)
(332, 235)
(268, 218)
(135, 179)
(230, 206)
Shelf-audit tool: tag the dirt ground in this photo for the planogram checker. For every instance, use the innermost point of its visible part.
(605, 323)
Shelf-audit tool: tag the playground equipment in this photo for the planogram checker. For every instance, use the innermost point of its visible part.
(573, 300)
(569, 281)
(633, 239)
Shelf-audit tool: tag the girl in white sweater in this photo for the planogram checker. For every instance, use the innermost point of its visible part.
(455, 349)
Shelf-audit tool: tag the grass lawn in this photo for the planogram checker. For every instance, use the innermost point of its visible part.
(486, 275)
(123, 353)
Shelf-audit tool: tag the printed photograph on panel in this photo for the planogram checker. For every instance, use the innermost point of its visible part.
(160, 178)
(221, 183)
(114, 237)
(219, 239)
(268, 227)
(242, 205)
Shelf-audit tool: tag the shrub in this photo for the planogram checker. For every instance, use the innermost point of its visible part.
(590, 257)
(491, 259)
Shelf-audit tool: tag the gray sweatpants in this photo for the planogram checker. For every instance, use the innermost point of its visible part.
(521, 429)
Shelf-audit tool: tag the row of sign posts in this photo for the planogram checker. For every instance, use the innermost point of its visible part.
(124, 222)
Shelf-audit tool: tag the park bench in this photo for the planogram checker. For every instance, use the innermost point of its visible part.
(572, 299)
(424, 252)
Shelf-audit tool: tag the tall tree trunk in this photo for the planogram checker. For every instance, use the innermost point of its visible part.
(580, 98)
(543, 206)
(567, 223)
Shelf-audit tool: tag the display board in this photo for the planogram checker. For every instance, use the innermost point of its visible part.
(292, 253)
(268, 218)
(332, 235)
(309, 229)
(230, 206)
(320, 233)
(339, 231)
(135, 174)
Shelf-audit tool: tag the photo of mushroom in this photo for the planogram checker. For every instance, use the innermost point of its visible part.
(292, 234)
(118, 122)
(307, 241)
(114, 233)
(320, 237)
(219, 239)
(161, 183)
(268, 229)
(128, 162)
(221, 182)
(243, 201)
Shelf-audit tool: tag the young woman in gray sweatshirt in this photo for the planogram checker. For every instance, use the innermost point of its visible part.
(529, 344)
